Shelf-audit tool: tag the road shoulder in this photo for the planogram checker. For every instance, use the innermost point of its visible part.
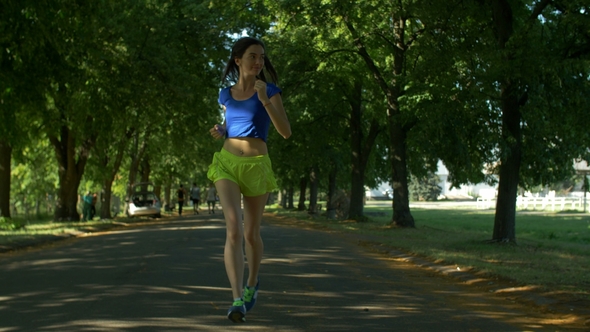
(559, 309)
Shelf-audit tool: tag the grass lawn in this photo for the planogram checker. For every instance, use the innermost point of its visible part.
(552, 251)
(19, 231)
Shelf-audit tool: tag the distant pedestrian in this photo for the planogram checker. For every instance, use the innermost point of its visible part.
(180, 195)
(93, 207)
(211, 198)
(87, 207)
(196, 197)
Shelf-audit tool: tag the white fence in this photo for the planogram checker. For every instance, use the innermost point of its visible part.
(545, 202)
(486, 199)
(536, 203)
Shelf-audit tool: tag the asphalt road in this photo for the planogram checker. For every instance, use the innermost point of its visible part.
(169, 276)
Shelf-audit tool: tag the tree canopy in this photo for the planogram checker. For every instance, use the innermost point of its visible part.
(120, 92)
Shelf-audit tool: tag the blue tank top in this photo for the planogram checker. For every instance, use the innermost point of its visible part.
(246, 118)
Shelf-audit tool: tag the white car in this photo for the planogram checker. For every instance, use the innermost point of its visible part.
(144, 201)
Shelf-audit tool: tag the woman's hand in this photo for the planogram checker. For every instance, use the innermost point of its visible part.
(260, 87)
(218, 131)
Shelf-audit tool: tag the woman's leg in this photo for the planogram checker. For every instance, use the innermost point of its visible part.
(230, 196)
(253, 209)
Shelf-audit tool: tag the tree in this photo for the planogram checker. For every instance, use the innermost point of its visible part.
(397, 26)
(18, 84)
(425, 188)
(512, 95)
(336, 94)
(139, 68)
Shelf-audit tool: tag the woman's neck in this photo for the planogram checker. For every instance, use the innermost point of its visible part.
(245, 83)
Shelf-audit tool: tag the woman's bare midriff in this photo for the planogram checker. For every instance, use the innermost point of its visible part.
(245, 146)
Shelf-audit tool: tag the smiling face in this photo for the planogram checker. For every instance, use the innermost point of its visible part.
(252, 61)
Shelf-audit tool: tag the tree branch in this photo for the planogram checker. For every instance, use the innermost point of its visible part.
(539, 8)
(342, 50)
(389, 42)
(414, 36)
(362, 51)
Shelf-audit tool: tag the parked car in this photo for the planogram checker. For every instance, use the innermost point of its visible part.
(144, 201)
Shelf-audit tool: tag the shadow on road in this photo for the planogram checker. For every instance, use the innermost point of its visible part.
(169, 276)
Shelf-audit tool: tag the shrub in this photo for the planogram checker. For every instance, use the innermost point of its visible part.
(9, 224)
(425, 188)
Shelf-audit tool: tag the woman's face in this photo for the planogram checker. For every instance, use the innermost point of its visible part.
(252, 62)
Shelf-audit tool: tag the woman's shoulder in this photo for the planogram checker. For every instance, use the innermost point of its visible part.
(272, 89)
(224, 95)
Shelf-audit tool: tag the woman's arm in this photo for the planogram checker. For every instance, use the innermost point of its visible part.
(218, 131)
(274, 108)
(278, 116)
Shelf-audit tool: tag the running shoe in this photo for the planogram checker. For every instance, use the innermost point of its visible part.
(237, 312)
(250, 295)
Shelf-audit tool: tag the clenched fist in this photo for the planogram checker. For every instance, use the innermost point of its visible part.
(260, 87)
(218, 131)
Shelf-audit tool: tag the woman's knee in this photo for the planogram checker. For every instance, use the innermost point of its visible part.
(234, 231)
(234, 237)
(252, 238)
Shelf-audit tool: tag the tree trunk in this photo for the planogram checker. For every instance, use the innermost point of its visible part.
(145, 169)
(302, 190)
(106, 201)
(283, 198)
(360, 151)
(401, 195)
(107, 186)
(290, 194)
(136, 158)
(5, 169)
(105, 206)
(158, 190)
(397, 133)
(401, 203)
(167, 195)
(358, 156)
(71, 169)
(331, 206)
(505, 218)
(313, 190)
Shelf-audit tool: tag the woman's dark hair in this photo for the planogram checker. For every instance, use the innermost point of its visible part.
(232, 71)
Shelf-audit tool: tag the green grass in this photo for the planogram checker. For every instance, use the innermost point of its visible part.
(552, 249)
(27, 229)
(19, 229)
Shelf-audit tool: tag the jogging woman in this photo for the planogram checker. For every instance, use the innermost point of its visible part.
(243, 167)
